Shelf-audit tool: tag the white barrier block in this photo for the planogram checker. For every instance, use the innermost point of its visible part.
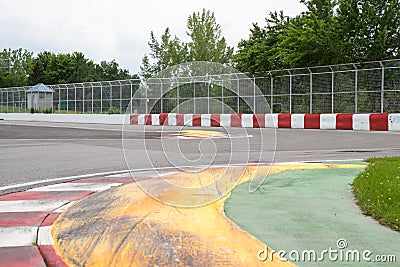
(141, 119)
(172, 119)
(155, 119)
(225, 120)
(44, 236)
(73, 118)
(206, 120)
(394, 122)
(361, 122)
(247, 120)
(328, 121)
(297, 121)
(188, 119)
(271, 120)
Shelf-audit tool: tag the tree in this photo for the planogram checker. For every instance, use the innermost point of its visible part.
(206, 44)
(312, 38)
(259, 52)
(50, 68)
(20, 63)
(109, 71)
(370, 29)
(166, 52)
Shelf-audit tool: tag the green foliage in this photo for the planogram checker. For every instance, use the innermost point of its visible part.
(260, 52)
(50, 68)
(329, 32)
(20, 64)
(113, 110)
(370, 29)
(206, 44)
(377, 190)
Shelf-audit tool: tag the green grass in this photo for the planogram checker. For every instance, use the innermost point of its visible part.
(377, 191)
(9, 109)
(3, 109)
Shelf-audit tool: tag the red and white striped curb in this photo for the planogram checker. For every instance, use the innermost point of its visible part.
(26, 219)
(366, 122)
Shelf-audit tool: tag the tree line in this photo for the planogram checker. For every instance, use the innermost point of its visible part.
(329, 32)
(49, 68)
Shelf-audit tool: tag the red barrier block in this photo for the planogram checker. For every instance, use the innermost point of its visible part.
(312, 121)
(196, 120)
(12, 219)
(134, 119)
(164, 118)
(20, 256)
(344, 121)
(379, 122)
(236, 120)
(215, 120)
(50, 219)
(50, 256)
(259, 121)
(284, 120)
(147, 119)
(180, 120)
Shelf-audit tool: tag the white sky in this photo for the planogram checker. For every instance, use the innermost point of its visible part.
(120, 29)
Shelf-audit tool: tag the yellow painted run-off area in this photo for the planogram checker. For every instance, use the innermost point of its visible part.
(124, 226)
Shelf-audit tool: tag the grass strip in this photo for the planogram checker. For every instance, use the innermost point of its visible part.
(377, 191)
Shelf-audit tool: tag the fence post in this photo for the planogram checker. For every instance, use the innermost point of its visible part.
(74, 98)
(101, 98)
(59, 99)
(91, 87)
(272, 93)
(19, 101)
(111, 98)
(146, 87)
(194, 96)
(83, 98)
(13, 98)
(311, 91)
(67, 99)
(222, 95)
(161, 97)
(290, 91)
(131, 96)
(208, 95)
(382, 85)
(356, 89)
(332, 88)
(238, 94)
(120, 96)
(254, 94)
(178, 96)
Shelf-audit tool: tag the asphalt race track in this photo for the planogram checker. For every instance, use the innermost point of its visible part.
(32, 151)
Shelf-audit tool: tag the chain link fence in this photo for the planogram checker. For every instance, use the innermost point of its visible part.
(372, 87)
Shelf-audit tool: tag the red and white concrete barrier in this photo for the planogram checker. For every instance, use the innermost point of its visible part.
(361, 122)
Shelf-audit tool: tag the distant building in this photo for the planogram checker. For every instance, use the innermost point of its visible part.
(40, 97)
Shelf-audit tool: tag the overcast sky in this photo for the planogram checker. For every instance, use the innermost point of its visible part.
(120, 29)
